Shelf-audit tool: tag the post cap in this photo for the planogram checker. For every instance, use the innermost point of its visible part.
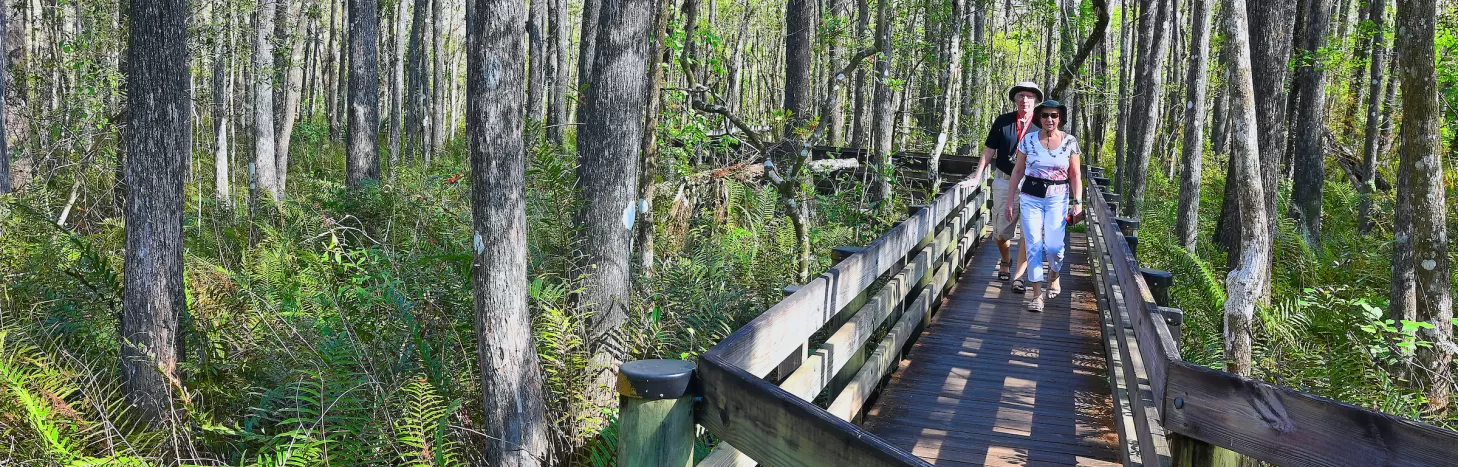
(840, 253)
(1157, 278)
(913, 209)
(1172, 316)
(1101, 181)
(655, 379)
(1126, 223)
(790, 289)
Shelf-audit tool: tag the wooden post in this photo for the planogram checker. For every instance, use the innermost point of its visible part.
(1127, 225)
(1186, 451)
(1133, 242)
(1159, 283)
(656, 413)
(801, 353)
(1102, 181)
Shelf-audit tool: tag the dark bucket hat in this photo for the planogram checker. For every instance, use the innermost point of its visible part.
(1029, 86)
(1050, 104)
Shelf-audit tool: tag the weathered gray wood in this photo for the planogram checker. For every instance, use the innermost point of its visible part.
(774, 427)
(1285, 427)
(761, 345)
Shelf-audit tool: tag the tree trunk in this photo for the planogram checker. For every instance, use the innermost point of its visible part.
(1371, 143)
(1219, 126)
(882, 111)
(1244, 284)
(265, 147)
(397, 87)
(647, 182)
(949, 100)
(438, 99)
(800, 17)
(607, 173)
(1421, 284)
(1149, 82)
(158, 140)
(364, 93)
(586, 50)
(1187, 227)
(342, 88)
(516, 423)
(536, 104)
(1270, 48)
(1310, 154)
(222, 93)
(1121, 123)
(557, 73)
(861, 112)
(291, 77)
(331, 81)
(419, 88)
(836, 119)
(5, 183)
(1389, 103)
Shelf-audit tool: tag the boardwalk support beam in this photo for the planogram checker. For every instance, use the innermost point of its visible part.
(656, 413)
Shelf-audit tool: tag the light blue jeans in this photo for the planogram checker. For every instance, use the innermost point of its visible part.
(1044, 220)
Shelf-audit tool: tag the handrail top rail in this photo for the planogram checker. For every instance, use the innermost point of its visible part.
(757, 347)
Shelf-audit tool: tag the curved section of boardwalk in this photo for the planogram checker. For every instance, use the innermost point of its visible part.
(990, 383)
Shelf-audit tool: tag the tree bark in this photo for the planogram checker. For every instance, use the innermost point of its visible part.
(1187, 226)
(516, 424)
(1371, 143)
(364, 89)
(222, 93)
(1245, 282)
(291, 78)
(607, 173)
(439, 82)
(1149, 82)
(158, 141)
(883, 113)
(415, 123)
(1121, 123)
(397, 87)
(536, 104)
(1310, 154)
(800, 19)
(954, 75)
(586, 50)
(1270, 48)
(265, 147)
(1421, 284)
(331, 81)
(557, 73)
(861, 112)
(647, 182)
(5, 183)
(1219, 126)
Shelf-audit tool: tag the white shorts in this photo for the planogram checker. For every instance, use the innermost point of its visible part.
(1003, 227)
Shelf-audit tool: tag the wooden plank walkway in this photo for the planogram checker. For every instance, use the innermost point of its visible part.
(990, 383)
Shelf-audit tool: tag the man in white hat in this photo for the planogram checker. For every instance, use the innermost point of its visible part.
(1000, 148)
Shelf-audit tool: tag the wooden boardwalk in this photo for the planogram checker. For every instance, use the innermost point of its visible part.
(990, 383)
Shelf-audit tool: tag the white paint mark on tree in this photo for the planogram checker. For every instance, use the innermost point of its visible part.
(479, 244)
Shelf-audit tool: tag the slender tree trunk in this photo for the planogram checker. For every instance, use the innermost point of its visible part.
(265, 147)
(558, 29)
(1389, 103)
(954, 75)
(331, 81)
(1421, 284)
(882, 128)
(1187, 227)
(5, 183)
(437, 120)
(291, 77)
(799, 40)
(397, 87)
(536, 104)
(1371, 143)
(1310, 144)
(649, 178)
(1244, 284)
(342, 82)
(861, 112)
(835, 132)
(158, 141)
(222, 92)
(415, 120)
(607, 173)
(1219, 126)
(1121, 125)
(364, 90)
(1149, 83)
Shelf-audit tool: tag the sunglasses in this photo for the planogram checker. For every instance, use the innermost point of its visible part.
(1049, 115)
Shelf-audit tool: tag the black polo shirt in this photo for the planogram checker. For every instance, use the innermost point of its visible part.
(1003, 136)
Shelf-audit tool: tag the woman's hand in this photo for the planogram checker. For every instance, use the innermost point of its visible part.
(1074, 210)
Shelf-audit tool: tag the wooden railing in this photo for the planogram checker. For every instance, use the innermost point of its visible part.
(1199, 407)
(821, 339)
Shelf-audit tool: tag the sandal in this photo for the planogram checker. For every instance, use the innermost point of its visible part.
(1036, 305)
(1018, 287)
(1053, 286)
(1001, 274)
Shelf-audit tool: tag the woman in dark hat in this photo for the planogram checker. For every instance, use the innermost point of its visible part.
(1051, 192)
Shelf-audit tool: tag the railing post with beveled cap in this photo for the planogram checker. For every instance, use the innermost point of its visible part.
(656, 413)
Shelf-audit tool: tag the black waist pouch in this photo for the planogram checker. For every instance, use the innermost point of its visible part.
(1034, 186)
